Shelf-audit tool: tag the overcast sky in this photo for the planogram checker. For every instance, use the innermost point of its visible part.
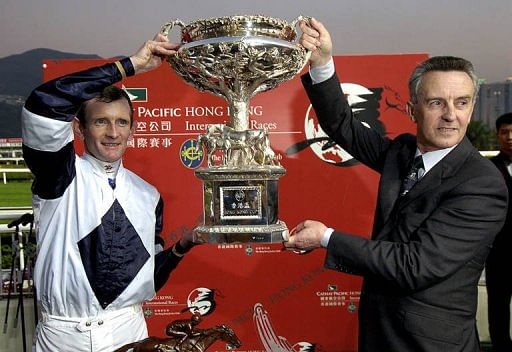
(478, 30)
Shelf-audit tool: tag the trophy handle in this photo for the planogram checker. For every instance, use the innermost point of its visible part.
(300, 18)
(294, 24)
(166, 28)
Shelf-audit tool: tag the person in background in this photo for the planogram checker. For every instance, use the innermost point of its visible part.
(98, 224)
(499, 284)
(440, 204)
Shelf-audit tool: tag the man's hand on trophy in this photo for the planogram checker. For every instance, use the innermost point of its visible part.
(150, 55)
(305, 237)
(316, 39)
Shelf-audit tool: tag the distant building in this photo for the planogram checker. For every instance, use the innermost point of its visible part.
(494, 99)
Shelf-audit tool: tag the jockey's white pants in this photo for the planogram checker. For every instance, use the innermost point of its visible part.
(103, 333)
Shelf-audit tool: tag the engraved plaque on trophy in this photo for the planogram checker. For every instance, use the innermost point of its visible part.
(236, 58)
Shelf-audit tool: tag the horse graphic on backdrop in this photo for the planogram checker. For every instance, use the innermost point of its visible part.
(200, 342)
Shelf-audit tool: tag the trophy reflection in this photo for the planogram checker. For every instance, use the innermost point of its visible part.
(236, 58)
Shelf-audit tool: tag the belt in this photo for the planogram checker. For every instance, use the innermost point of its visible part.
(89, 323)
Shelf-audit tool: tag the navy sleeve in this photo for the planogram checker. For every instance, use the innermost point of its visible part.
(165, 261)
(336, 118)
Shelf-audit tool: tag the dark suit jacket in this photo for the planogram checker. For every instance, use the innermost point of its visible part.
(428, 248)
(500, 257)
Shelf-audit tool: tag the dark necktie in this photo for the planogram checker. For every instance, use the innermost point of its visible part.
(112, 182)
(414, 175)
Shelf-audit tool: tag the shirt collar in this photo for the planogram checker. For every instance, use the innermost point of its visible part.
(108, 169)
(430, 159)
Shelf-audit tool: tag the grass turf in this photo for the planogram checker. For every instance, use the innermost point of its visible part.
(16, 194)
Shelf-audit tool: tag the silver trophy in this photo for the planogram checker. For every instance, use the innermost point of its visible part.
(236, 58)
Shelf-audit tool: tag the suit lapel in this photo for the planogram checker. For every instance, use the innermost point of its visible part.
(429, 182)
(389, 198)
(391, 180)
(390, 184)
(443, 170)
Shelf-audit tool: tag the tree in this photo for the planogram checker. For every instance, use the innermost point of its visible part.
(481, 136)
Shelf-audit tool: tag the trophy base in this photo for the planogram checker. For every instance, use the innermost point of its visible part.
(241, 234)
(240, 205)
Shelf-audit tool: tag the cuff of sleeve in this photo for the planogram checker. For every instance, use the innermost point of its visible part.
(322, 73)
(178, 250)
(326, 237)
(127, 65)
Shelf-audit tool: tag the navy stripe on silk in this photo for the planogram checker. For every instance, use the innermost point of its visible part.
(53, 171)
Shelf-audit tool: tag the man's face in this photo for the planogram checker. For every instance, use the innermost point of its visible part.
(107, 129)
(505, 138)
(444, 108)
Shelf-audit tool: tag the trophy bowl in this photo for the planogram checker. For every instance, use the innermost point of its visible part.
(236, 58)
(239, 26)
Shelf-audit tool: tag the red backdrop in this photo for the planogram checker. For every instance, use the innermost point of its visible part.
(257, 288)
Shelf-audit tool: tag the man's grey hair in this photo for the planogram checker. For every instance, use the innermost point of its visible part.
(440, 63)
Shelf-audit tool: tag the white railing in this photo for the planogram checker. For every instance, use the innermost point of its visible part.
(18, 242)
(5, 229)
(5, 171)
(9, 160)
(489, 153)
(13, 212)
